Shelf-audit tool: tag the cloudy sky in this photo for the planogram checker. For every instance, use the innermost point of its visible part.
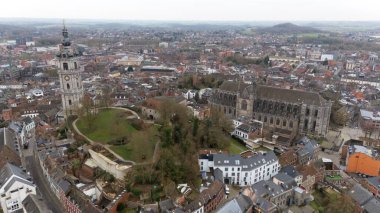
(196, 10)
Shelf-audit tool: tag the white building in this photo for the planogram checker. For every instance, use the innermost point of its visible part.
(239, 170)
(15, 187)
(163, 44)
(190, 94)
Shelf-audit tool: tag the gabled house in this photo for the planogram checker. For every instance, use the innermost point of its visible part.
(240, 204)
(15, 186)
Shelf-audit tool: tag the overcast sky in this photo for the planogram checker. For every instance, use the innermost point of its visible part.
(196, 10)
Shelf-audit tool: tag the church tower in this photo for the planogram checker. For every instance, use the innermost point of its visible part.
(69, 76)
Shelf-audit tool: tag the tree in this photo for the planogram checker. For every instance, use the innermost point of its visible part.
(130, 69)
(106, 97)
(325, 62)
(75, 164)
(87, 111)
(340, 116)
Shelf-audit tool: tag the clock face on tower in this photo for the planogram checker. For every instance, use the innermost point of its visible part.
(67, 77)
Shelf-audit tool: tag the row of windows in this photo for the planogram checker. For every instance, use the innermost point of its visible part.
(66, 66)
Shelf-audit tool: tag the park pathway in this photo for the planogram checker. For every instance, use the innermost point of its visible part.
(106, 146)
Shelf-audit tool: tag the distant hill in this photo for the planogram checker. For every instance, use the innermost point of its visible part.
(288, 28)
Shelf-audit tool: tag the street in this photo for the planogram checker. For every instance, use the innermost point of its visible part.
(33, 166)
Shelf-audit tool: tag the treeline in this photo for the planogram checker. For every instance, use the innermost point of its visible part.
(182, 135)
(238, 59)
(200, 82)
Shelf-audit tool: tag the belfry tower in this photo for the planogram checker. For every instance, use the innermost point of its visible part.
(69, 76)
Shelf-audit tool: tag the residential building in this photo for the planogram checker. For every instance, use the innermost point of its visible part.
(16, 185)
(240, 170)
(208, 200)
(240, 204)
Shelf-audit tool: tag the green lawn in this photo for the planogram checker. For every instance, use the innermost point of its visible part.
(109, 124)
(236, 148)
(140, 146)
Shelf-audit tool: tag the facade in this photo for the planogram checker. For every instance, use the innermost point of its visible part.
(369, 119)
(241, 171)
(208, 200)
(297, 111)
(363, 164)
(69, 76)
(16, 186)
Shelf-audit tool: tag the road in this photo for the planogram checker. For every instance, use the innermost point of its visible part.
(43, 187)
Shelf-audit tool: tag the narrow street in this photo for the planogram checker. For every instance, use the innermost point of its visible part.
(43, 188)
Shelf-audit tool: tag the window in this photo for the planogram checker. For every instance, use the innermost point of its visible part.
(316, 113)
(244, 105)
(291, 124)
(271, 120)
(278, 121)
(68, 86)
(69, 102)
(75, 65)
(65, 66)
(284, 123)
(225, 169)
(265, 119)
(307, 112)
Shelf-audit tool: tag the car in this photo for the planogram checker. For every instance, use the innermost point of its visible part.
(227, 190)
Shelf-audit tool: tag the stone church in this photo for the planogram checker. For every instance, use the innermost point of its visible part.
(284, 110)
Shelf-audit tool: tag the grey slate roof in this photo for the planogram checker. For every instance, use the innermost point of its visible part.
(360, 194)
(238, 205)
(372, 206)
(267, 188)
(250, 163)
(290, 170)
(374, 181)
(8, 171)
(34, 204)
(288, 181)
(7, 137)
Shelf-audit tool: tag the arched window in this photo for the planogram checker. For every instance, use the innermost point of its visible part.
(65, 66)
(69, 102)
(271, 120)
(284, 123)
(75, 65)
(244, 105)
(291, 124)
(265, 119)
(259, 117)
(68, 86)
(278, 121)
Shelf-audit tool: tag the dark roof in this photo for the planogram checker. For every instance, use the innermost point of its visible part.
(34, 204)
(247, 163)
(372, 205)
(288, 181)
(360, 194)
(274, 93)
(27, 120)
(167, 205)
(288, 95)
(290, 170)
(374, 181)
(238, 205)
